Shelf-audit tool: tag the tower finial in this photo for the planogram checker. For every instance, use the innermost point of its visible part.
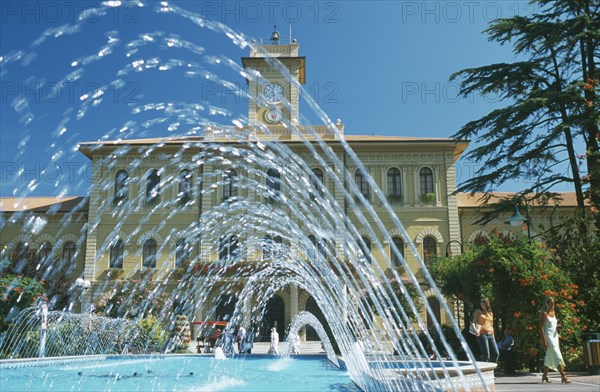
(275, 36)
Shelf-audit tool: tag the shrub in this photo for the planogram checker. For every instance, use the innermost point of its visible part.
(517, 275)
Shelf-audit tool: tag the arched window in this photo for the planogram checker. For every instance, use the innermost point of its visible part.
(229, 184)
(426, 181)
(362, 183)
(182, 253)
(121, 187)
(313, 248)
(322, 247)
(20, 255)
(429, 249)
(149, 254)
(45, 251)
(278, 244)
(273, 185)
(399, 243)
(267, 247)
(228, 247)
(364, 244)
(116, 254)
(317, 181)
(153, 188)
(68, 253)
(184, 194)
(394, 190)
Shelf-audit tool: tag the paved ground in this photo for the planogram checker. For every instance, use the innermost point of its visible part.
(532, 382)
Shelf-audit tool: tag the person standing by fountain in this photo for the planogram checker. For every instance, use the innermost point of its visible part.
(553, 359)
(248, 343)
(274, 341)
(484, 318)
(239, 337)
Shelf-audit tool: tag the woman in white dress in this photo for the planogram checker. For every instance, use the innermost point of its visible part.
(554, 359)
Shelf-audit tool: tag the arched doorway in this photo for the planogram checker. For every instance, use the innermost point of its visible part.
(312, 307)
(225, 307)
(274, 317)
(434, 304)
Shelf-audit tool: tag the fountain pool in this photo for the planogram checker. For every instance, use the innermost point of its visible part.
(175, 373)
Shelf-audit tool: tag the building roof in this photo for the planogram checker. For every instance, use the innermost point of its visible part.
(87, 148)
(475, 200)
(70, 203)
(44, 204)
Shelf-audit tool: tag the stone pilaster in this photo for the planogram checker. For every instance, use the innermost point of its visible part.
(89, 270)
(453, 218)
(293, 301)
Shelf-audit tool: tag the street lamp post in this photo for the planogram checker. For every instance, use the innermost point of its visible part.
(448, 245)
(517, 220)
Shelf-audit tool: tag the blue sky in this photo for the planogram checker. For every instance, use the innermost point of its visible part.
(380, 66)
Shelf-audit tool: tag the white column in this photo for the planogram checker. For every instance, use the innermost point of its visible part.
(293, 301)
(345, 309)
(416, 189)
(198, 316)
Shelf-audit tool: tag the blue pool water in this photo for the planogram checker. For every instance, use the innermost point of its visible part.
(180, 373)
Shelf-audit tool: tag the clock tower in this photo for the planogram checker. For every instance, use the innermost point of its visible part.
(276, 96)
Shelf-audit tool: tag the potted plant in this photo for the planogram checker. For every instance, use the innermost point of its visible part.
(114, 273)
(395, 199)
(178, 272)
(428, 198)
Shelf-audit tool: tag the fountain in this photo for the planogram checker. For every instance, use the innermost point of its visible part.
(272, 232)
(39, 333)
(303, 319)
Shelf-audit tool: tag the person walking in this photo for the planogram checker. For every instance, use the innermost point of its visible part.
(484, 318)
(553, 359)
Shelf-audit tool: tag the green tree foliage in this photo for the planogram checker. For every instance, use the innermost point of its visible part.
(552, 106)
(134, 299)
(410, 290)
(17, 293)
(151, 337)
(516, 274)
(56, 276)
(578, 256)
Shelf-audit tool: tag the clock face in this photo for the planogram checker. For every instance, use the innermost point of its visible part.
(272, 116)
(273, 92)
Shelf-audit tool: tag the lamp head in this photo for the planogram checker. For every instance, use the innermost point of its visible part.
(84, 284)
(516, 220)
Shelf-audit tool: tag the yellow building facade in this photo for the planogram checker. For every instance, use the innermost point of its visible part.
(148, 195)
